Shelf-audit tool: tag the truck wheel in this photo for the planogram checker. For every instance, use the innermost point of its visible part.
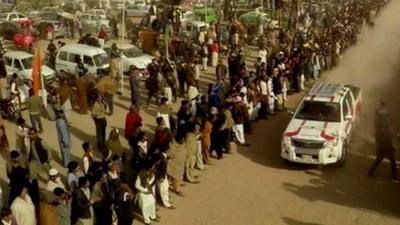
(342, 160)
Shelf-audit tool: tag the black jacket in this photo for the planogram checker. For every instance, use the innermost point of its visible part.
(80, 206)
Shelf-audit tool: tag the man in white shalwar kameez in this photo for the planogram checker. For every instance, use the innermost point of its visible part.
(54, 181)
(164, 111)
(238, 127)
(23, 209)
(199, 154)
(145, 196)
(271, 96)
(262, 53)
(163, 182)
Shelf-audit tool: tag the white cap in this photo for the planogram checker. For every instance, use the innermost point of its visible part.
(214, 111)
(53, 172)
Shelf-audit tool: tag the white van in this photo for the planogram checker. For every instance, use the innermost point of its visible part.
(20, 62)
(96, 60)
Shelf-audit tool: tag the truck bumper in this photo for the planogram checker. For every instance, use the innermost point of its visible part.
(310, 156)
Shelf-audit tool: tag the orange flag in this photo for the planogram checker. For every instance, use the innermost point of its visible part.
(36, 70)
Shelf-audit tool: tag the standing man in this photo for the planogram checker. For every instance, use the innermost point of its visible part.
(262, 54)
(34, 105)
(114, 55)
(64, 91)
(51, 51)
(99, 117)
(63, 137)
(17, 174)
(153, 88)
(63, 209)
(82, 203)
(226, 127)
(134, 85)
(107, 87)
(79, 26)
(221, 70)
(383, 140)
(39, 162)
(271, 96)
(82, 92)
(132, 121)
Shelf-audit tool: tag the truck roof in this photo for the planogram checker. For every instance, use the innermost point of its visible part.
(81, 49)
(326, 92)
(17, 54)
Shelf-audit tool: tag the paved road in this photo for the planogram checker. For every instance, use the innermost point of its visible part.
(255, 187)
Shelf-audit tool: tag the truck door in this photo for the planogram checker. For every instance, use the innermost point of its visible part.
(348, 116)
(351, 102)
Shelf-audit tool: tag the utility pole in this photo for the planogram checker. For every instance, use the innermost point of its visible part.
(123, 42)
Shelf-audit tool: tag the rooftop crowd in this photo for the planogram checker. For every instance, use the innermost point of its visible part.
(106, 190)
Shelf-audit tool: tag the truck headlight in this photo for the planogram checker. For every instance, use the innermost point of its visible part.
(331, 144)
(286, 141)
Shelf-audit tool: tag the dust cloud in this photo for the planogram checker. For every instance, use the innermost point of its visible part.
(373, 64)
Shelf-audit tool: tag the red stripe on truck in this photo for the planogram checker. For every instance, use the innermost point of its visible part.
(325, 135)
(296, 132)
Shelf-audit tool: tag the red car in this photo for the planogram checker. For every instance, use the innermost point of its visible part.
(25, 38)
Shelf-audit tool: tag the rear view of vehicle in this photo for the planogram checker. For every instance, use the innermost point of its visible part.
(321, 127)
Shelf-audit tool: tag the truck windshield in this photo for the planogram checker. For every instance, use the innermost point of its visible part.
(319, 111)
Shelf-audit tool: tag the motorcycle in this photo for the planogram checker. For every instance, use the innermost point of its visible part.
(7, 109)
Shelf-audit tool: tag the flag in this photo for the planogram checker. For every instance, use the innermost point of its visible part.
(36, 70)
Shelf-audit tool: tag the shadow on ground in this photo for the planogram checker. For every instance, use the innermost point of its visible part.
(290, 221)
(81, 135)
(348, 186)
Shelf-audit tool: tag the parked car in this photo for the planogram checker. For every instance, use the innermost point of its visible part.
(132, 55)
(322, 125)
(99, 12)
(55, 19)
(51, 9)
(13, 16)
(136, 10)
(118, 4)
(140, 2)
(193, 27)
(20, 62)
(94, 20)
(9, 29)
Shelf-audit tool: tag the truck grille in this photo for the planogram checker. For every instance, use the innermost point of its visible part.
(307, 144)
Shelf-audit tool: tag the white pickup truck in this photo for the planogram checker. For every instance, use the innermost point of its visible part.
(321, 126)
